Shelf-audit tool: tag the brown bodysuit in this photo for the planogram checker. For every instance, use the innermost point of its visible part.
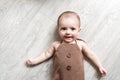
(68, 63)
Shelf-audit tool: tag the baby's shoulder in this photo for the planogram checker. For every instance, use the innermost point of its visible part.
(81, 43)
(56, 44)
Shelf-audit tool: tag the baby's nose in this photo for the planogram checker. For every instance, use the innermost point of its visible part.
(68, 31)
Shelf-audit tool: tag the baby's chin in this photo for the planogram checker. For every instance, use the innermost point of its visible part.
(70, 41)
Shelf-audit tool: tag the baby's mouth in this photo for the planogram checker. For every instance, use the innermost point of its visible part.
(68, 36)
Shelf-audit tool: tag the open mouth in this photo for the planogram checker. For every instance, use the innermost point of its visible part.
(68, 36)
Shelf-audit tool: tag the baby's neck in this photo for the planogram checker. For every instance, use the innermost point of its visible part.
(73, 42)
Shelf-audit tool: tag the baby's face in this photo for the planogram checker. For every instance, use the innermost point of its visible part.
(68, 28)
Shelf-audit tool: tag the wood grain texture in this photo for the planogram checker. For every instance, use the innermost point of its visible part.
(28, 27)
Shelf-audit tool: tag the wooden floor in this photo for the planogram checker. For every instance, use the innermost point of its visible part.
(28, 27)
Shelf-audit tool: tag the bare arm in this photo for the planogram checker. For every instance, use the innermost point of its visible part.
(91, 55)
(44, 56)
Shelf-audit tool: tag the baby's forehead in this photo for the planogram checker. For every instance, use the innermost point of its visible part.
(68, 19)
(69, 15)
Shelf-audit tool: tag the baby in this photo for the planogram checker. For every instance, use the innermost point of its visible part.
(68, 53)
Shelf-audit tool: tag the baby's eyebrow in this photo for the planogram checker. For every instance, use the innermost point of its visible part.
(73, 27)
(62, 27)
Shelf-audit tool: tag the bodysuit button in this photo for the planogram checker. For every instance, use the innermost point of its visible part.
(68, 55)
(68, 68)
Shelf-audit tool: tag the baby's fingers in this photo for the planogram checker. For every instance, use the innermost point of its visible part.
(103, 72)
(29, 62)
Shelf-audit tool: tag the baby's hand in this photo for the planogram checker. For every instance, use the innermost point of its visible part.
(29, 62)
(103, 71)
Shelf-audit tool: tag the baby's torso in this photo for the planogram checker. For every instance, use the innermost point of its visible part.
(68, 62)
(68, 54)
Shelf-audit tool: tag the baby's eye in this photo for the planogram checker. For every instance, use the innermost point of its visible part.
(73, 28)
(63, 28)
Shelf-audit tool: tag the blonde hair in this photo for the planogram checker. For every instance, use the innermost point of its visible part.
(68, 13)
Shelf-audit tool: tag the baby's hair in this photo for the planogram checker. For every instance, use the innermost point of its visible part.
(68, 13)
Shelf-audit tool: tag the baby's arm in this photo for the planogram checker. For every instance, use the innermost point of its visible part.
(91, 55)
(44, 56)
